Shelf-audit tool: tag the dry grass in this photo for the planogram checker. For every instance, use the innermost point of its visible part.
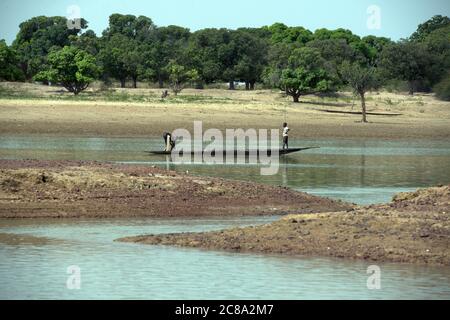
(36, 109)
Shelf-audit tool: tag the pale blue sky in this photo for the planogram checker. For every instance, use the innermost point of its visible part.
(399, 18)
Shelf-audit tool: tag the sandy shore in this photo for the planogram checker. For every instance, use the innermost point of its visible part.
(414, 228)
(422, 116)
(31, 189)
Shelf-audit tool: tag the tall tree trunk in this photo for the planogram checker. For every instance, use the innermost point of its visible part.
(122, 83)
(296, 97)
(24, 67)
(363, 107)
(231, 85)
(247, 85)
(252, 85)
(135, 82)
(411, 87)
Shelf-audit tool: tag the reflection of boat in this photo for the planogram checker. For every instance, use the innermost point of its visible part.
(236, 152)
(388, 114)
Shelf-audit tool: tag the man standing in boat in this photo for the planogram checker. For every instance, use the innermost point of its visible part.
(285, 136)
(169, 143)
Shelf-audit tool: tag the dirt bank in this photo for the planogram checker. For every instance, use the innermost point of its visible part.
(31, 189)
(414, 228)
(25, 239)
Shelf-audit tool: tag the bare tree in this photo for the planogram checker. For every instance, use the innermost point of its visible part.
(362, 79)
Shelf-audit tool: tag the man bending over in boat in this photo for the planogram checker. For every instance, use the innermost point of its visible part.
(285, 136)
(169, 143)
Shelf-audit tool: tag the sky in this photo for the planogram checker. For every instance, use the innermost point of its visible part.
(390, 18)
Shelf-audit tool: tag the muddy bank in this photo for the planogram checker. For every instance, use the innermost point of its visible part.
(12, 239)
(60, 189)
(414, 228)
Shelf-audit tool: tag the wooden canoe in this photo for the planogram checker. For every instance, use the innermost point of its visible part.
(239, 152)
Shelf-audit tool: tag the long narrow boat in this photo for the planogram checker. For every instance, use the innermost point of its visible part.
(238, 152)
(388, 114)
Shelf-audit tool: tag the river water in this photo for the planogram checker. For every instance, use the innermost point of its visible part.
(360, 171)
(363, 172)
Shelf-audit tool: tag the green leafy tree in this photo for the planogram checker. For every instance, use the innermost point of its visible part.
(438, 45)
(277, 31)
(87, 41)
(134, 61)
(179, 75)
(228, 54)
(278, 60)
(347, 35)
(361, 78)
(300, 81)
(424, 29)
(156, 59)
(262, 33)
(376, 46)
(434, 36)
(251, 57)
(171, 43)
(134, 48)
(37, 37)
(125, 47)
(215, 54)
(281, 33)
(206, 54)
(442, 89)
(407, 61)
(335, 52)
(9, 62)
(72, 67)
(305, 74)
(140, 28)
(115, 57)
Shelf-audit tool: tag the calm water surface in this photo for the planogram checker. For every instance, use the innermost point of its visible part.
(130, 271)
(359, 171)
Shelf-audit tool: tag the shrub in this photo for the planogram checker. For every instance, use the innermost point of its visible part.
(442, 89)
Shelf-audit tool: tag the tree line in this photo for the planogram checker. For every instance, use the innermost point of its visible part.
(293, 59)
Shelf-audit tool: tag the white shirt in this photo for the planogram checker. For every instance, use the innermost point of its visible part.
(285, 132)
